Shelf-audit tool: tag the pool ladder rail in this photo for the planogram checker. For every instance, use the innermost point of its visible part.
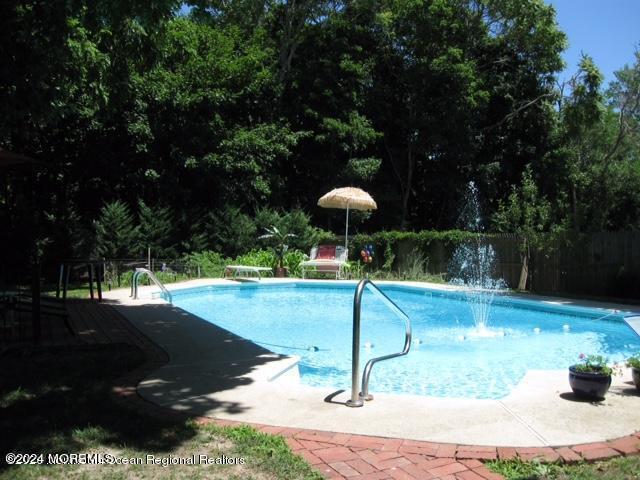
(136, 279)
(357, 398)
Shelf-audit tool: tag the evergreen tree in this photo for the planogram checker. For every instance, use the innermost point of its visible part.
(115, 231)
(155, 231)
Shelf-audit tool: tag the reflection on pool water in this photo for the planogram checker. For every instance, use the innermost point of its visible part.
(448, 358)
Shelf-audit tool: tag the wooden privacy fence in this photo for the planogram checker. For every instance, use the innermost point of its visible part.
(601, 264)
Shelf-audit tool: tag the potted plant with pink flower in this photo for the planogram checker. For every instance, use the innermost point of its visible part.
(591, 377)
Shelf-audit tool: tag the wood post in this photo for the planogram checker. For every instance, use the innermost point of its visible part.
(35, 298)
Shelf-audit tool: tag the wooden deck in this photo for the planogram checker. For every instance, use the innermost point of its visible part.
(92, 323)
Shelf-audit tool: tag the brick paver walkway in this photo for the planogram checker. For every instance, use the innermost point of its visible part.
(340, 455)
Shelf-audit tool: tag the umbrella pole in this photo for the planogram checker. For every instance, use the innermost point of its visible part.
(346, 231)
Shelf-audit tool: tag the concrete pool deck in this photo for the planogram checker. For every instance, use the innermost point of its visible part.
(212, 372)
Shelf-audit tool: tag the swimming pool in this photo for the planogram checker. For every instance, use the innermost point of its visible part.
(313, 320)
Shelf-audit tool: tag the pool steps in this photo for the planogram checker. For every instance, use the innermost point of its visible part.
(634, 323)
(289, 373)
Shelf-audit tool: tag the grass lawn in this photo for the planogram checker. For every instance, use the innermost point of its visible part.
(77, 291)
(81, 289)
(624, 468)
(57, 401)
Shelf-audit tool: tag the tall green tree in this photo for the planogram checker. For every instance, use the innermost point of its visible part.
(596, 149)
(464, 90)
(582, 111)
(249, 104)
(325, 95)
(528, 214)
(116, 233)
(156, 231)
(426, 92)
(519, 61)
(209, 103)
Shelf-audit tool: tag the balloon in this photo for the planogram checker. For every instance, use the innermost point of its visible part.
(363, 253)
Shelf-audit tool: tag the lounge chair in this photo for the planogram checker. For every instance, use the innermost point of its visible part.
(326, 259)
(237, 270)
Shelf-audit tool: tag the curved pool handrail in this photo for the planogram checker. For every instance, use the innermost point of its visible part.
(145, 271)
(358, 397)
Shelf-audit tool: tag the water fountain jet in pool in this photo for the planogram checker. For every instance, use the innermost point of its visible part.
(472, 267)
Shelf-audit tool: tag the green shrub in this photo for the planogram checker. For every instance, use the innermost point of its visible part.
(389, 257)
(423, 237)
(386, 244)
(634, 361)
(295, 222)
(233, 233)
(211, 263)
(325, 237)
(292, 261)
(230, 231)
(126, 277)
(417, 264)
(257, 258)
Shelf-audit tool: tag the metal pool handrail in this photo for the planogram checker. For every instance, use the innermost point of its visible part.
(136, 277)
(357, 398)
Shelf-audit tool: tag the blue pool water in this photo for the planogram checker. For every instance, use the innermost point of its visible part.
(314, 322)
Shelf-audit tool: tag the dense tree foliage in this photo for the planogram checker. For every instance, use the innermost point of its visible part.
(526, 214)
(184, 121)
